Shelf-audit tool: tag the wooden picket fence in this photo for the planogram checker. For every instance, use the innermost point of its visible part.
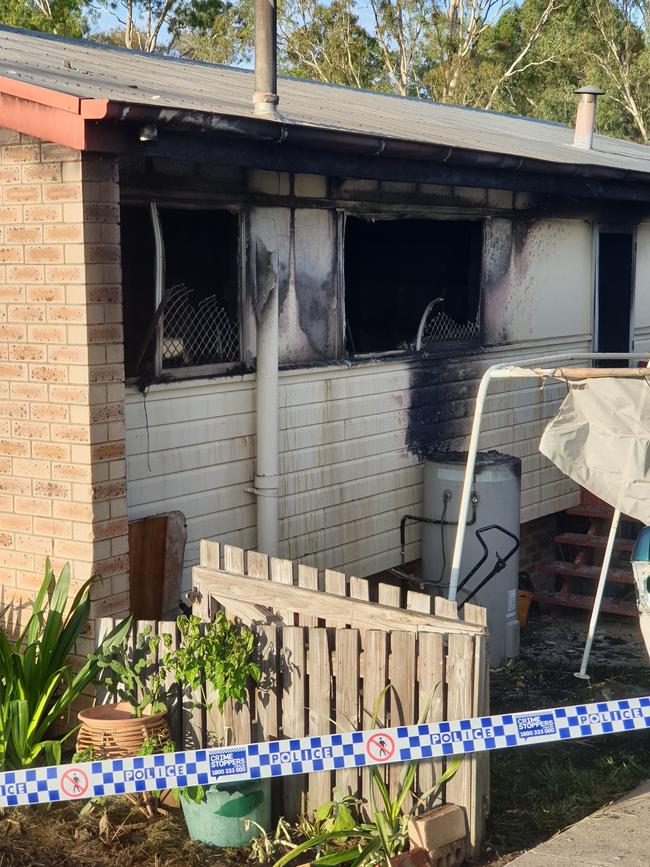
(326, 653)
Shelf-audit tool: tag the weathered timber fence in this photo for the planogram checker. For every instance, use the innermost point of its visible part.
(326, 653)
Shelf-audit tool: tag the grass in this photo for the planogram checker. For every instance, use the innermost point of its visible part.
(538, 791)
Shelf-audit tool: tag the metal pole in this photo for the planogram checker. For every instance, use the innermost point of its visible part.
(582, 674)
(265, 98)
(508, 369)
(267, 427)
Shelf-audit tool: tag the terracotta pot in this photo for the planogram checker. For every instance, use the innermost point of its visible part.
(113, 731)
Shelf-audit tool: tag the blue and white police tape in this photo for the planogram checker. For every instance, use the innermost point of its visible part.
(320, 753)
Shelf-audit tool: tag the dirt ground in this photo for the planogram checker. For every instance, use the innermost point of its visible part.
(536, 791)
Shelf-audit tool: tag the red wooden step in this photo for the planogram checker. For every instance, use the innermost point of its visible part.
(605, 513)
(575, 600)
(559, 567)
(586, 540)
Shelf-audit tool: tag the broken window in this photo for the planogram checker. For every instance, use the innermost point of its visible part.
(411, 283)
(188, 315)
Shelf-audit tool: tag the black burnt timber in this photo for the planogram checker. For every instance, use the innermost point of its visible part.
(273, 156)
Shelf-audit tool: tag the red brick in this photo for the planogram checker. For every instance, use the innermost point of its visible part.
(22, 194)
(44, 253)
(20, 154)
(56, 490)
(27, 352)
(24, 234)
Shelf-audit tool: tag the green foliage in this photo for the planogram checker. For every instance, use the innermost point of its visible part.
(218, 654)
(338, 838)
(63, 17)
(37, 682)
(136, 678)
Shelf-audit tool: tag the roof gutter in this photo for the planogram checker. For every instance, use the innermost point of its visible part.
(360, 144)
(105, 125)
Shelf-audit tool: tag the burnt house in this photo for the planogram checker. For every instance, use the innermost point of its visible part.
(265, 321)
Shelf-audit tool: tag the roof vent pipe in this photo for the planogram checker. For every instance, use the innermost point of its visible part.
(586, 117)
(265, 99)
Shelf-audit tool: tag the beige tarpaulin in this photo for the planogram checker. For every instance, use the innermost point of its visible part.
(600, 438)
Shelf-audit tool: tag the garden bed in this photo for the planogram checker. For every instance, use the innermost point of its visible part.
(536, 791)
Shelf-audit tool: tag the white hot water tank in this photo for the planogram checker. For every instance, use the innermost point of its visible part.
(498, 495)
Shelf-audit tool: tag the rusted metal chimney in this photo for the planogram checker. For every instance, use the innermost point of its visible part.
(586, 116)
(265, 99)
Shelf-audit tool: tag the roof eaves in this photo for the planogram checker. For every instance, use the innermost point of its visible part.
(47, 113)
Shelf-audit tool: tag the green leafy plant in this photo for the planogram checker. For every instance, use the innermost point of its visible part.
(37, 682)
(215, 660)
(217, 654)
(385, 834)
(135, 677)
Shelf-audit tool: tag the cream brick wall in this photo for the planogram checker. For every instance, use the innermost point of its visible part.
(62, 453)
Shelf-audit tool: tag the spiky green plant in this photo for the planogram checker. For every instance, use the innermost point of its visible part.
(385, 834)
(37, 682)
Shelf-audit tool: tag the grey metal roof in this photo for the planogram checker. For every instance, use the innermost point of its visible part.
(89, 70)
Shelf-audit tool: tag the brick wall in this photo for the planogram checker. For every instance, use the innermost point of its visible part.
(62, 453)
(537, 547)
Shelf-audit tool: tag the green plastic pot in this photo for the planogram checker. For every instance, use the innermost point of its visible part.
(218, 820)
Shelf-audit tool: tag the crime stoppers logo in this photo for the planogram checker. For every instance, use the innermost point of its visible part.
(535, 725)
(380, 747)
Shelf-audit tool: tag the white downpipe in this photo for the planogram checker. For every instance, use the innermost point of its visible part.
(598, 599)
(504, 370)
(267, 425)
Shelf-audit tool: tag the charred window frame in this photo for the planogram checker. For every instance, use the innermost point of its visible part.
(410, 283)
(182, 289)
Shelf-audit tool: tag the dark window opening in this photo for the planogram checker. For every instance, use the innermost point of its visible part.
(196, 321)
(614, 293)
(408, 279)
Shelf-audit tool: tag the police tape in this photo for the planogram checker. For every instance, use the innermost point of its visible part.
(320, 753)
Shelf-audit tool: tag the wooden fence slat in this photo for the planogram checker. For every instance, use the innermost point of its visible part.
(445, 608)
(233, 559)
(281, 572)
(402, 673)
(319, 711)
(361, 615)
(431, 676)
(359, 588)
(257, 565)
(335, 585)
(460, 664)
(103, 626)
(308, 578)
(209, 554)
(375, 679)
(293, 708)
(389, 594)
(347, 699)
(416, 601)
(267, 693)
(174, 716)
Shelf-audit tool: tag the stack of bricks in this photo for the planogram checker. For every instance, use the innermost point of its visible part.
(62, 448)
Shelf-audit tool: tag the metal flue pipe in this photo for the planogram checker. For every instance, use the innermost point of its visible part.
(586, 117)
(265, 98)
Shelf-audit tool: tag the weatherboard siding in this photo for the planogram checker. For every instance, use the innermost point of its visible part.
(347, 472)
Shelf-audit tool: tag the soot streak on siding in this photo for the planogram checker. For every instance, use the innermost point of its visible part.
(440, 407)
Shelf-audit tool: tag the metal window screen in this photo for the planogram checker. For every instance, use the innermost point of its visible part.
(197, 331)
(441, 328)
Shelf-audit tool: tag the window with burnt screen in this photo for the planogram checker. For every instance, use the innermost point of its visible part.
(411, 284)
(192, 324)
